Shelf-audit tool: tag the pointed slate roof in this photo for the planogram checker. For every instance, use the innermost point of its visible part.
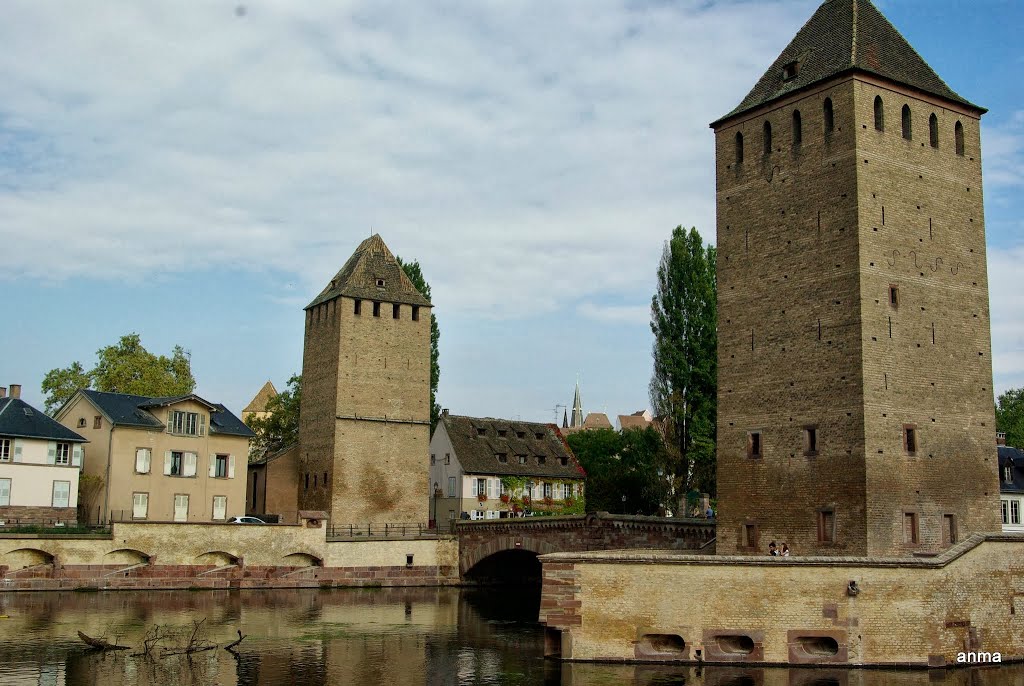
(370, 263)
(846, 36)
(21, 420)
(260, 400)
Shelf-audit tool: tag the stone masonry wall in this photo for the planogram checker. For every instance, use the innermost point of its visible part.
(789, 347)
(39, 515)
(662, 606)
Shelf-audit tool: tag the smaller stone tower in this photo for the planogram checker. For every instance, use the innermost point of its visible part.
(364, 431)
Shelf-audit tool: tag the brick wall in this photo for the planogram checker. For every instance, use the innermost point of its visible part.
(39, 515)
(809, 340)
(620, 605)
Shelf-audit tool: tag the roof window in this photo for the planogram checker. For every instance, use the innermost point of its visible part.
(480, 431)
(380, 283)
(790, 70)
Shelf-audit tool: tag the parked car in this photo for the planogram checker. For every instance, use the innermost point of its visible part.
(246, 520)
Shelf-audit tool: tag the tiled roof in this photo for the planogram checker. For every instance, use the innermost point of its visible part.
(844, 36)
(21, 420)
(259, 402)
(370, 263)
(130, 410)
(632, 421)
(1011, 457)
(478, 441)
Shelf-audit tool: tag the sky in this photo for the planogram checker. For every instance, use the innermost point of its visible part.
(197, 172)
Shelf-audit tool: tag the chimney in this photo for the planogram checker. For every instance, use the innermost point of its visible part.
(15, 390)
(3, 391)
(1000, 438)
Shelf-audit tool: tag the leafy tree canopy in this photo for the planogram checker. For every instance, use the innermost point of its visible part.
(280, 428)
(683, 389)
(123, 368)
(415, 273)
(1010, 416)
(625, 470)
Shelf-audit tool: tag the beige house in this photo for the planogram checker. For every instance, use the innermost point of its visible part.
(39, 465)
(179, 459)
(495, 468)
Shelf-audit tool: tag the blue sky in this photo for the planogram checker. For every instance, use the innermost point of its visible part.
(197, 172)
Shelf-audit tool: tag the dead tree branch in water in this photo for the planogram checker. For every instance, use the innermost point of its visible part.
(100, 644)
(230, 647)
(196, 644)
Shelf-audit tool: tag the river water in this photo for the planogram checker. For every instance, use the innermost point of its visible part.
(408, 636)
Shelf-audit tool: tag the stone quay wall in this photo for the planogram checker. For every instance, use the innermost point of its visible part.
(173, 556)
(659, 606)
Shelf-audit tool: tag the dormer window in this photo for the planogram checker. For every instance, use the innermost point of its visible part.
(186, 423)
(520, 434)
(1008, 473)
(564, 461)
(522, 459)
(539, 436)
(481, 432)
(380, 283)
(541, 459)
(502, 457)
(502, 432)
(790, 70)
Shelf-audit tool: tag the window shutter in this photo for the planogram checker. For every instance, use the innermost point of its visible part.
(202, 424)
(170, 421)
(190, 464)
(5, 492)
(231, 466)
(51, 453)
(76, 456)
(167, 463)
(17, 449)
(213, 465)
(140, 461)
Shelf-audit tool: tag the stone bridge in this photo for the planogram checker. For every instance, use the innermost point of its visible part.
(479, 540)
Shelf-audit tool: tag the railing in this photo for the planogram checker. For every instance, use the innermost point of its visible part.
(49, 525)
(386, 531)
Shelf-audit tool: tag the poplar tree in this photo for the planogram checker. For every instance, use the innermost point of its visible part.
(1010, 416)
(415, 273)
(683, 388)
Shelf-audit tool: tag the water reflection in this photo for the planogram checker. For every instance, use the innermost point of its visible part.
(416, 636)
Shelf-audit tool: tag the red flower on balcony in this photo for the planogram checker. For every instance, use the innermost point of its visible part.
(482, 497)
(504, 497)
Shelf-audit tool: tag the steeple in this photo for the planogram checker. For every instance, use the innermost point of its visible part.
(565, 419)
(372, 273)
(577, 407)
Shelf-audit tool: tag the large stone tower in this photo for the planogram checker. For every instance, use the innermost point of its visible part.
(855, 382)
(364, 431)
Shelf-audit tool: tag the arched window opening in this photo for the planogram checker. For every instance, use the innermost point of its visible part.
(879, 114)
(958, 134)
(907, 133)
(798, 133)
(830, 120)
(767, 138)
(739, 148)
(933, 130)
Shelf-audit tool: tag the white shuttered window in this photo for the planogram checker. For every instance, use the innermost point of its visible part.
(220, 506)
(140, 505)
(143, 458)
(61, 493)
(5, 492)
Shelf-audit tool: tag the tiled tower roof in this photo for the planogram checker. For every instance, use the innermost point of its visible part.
(844, 36)
(371, 264)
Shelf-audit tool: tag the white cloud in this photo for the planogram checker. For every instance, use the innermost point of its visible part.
(631, 314)
(1007, 306)
(526, 153)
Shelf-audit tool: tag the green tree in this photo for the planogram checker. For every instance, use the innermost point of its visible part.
(415, 274)
(1010, 416)
(123, 368)
(684, 320)
(625, 470)
(280, 428)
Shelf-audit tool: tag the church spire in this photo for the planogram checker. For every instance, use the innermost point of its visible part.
(577, 407)
(565, 419)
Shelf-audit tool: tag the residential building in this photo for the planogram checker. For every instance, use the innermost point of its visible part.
(638, 420)
(364, 425)
(273, 490)
(257, 407)
(594, 420)
(1011, 487)
(40, 462)
(855, 410)
(484, 468)
(179, 459)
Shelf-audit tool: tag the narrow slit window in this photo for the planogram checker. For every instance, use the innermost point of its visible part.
(958, 134)
(376, 309)
(933, 131)
(396, 310)
(911, 534)
(879, 114)
(357, 308)
(739, 148)
(798, 133)
(810, 441)
(907, 131)
(767, 138)
(829, 116)
(894, 296)
(910, 439)
(415, 313)
(750, 535)
(755, 449)
(826, 526)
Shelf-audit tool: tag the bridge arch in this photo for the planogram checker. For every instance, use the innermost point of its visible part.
(301, 559)
(125, 556)
(477, 554)
(20, 558)
(217, 558)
